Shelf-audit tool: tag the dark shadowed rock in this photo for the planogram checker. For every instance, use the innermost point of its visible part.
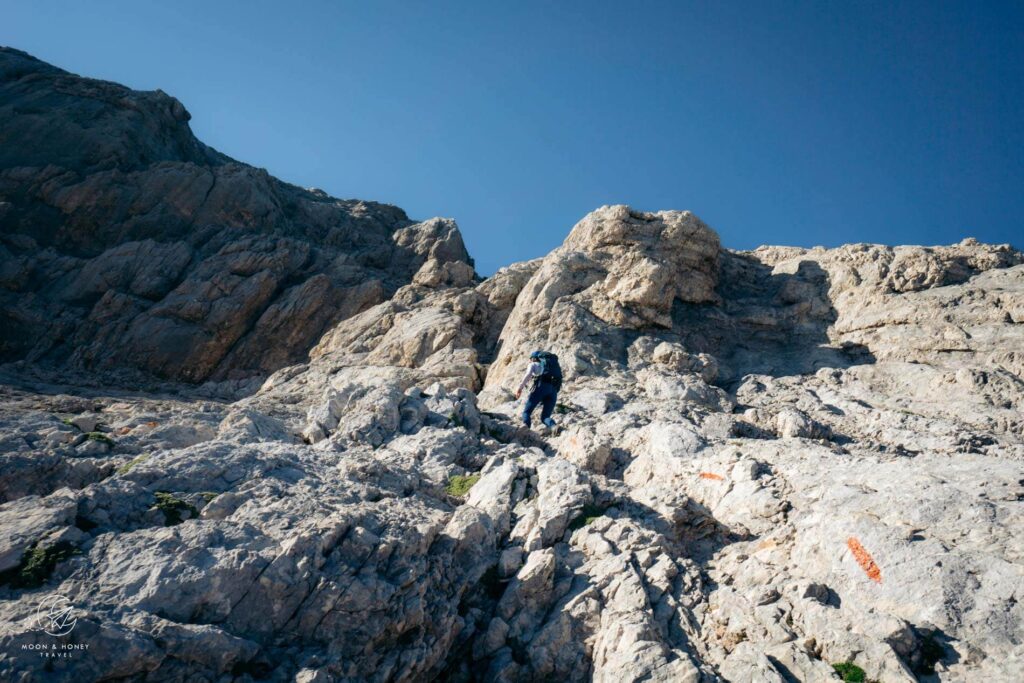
(126, 241)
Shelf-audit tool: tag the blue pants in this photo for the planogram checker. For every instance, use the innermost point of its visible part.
(543, 394)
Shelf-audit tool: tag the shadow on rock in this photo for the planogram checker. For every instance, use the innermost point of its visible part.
(770, 323)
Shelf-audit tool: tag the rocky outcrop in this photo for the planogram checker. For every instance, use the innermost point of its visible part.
(124, 241)
(768, 462)
(618, 272)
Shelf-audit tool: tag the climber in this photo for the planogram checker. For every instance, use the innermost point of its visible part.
(546, 374)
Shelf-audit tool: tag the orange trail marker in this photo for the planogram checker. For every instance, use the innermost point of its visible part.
(710, 475)
(864, 559)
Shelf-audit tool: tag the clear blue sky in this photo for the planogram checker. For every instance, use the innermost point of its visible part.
(777, 122)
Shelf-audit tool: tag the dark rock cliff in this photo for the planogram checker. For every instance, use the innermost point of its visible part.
(127, 242)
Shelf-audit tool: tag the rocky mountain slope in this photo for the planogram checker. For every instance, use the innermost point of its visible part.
(769, 462)
(128, 243)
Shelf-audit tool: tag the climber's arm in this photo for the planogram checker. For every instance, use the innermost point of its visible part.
(532, 371)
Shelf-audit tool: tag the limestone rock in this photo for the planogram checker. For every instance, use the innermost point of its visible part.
(149, 249)
(618, 269)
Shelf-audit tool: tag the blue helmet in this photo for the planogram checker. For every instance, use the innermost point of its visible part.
(536, 354)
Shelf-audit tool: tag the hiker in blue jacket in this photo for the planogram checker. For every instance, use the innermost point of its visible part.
(546, 375)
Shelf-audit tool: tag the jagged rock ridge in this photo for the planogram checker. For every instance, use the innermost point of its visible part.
(770, 462)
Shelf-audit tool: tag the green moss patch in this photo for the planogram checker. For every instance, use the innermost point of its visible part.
(37, 564)
(459, 485)
(588, 514)
(173, 507)
(127, 467)
(101, 437)
(850, 672)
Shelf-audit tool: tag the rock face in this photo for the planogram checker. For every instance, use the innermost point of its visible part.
(126, 242)
(769, 462)
(620, 271)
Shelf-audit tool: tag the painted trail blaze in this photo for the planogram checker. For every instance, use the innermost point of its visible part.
(711, 475)
(864, 559)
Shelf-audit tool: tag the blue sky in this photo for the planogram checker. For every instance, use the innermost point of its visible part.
(776, 122)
